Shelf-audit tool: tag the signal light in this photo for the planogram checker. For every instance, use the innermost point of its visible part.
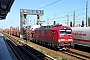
(25, 15)
(70, 24)
(82, 23)
(54, 23)
(37, 16)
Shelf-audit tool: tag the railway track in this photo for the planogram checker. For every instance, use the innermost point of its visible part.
(78, 54)
(70, 54)
(24, 52)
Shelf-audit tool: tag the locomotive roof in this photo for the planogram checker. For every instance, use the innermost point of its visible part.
(50, 27)
(43, 28)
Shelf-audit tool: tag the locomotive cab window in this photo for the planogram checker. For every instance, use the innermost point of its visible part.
(65, 32)
(62, 32)
(69, 31)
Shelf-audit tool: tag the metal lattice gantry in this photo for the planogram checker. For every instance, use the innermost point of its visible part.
(23, 17)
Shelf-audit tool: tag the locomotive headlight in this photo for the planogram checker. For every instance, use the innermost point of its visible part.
(64, 28)
(59, 39)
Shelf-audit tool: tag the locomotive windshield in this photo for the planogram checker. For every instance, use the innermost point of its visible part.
(65, 32)
(69, 31)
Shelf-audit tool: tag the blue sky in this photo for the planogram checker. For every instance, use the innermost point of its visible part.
(58, 10)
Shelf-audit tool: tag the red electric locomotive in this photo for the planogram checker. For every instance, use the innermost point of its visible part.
(56, 36)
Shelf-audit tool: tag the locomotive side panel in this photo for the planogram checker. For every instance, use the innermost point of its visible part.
(48, 35)
(55, 35)
(42, 34)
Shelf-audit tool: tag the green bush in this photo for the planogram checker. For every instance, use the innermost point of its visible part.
(64, 58)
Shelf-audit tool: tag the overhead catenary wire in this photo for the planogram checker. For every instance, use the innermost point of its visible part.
(65, 16)
(49, 4)
(68, 12)
(59, 17)
(61, 13)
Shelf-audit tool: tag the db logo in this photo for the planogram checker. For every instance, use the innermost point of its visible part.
(79, 34)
